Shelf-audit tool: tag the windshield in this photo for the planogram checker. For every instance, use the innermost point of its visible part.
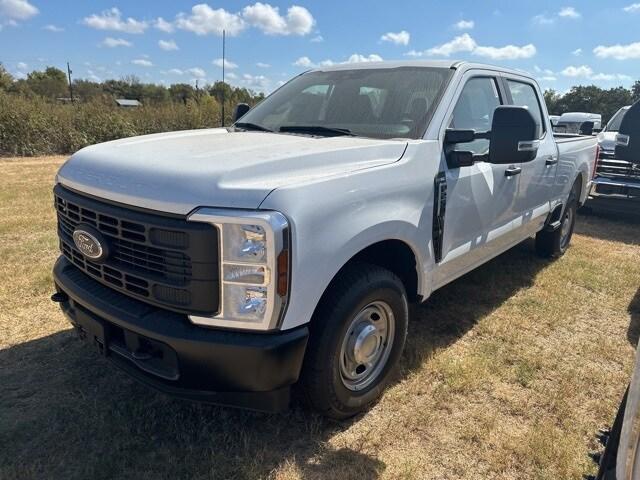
(616, 120)
(377, 103)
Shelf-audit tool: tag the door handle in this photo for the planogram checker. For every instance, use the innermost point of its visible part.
(551, 160)
(512, 171)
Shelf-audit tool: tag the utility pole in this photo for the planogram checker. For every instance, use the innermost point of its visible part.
(69, 72)
(223, 84)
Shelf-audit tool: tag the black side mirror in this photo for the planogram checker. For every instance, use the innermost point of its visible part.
(239, 111)
(586, 128)
(453, 135)
(513, 136)
(628, 137)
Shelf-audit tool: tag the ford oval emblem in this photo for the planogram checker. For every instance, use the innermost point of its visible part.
(90, 243)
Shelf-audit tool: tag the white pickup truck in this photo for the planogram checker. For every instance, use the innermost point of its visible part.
(226, 265)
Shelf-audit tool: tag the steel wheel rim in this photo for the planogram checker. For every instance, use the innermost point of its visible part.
(367, 345)
(565, 229)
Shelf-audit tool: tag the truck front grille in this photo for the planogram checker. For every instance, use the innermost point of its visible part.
(609, 166)
(163, 260)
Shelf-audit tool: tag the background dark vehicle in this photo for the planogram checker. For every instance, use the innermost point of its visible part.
(616, 185)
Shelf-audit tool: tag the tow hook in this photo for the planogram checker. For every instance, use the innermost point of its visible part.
(59, 297)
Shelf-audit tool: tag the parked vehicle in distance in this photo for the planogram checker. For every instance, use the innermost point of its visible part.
(616, 186)
(578, 122)
(554, 119)
(227, 265)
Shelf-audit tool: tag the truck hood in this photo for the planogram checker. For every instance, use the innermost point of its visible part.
(607, 140)
(179, 171)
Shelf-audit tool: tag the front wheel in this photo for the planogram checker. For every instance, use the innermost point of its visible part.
(555, 243)
(357, 337)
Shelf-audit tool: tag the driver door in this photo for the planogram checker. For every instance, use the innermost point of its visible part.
(480, 199)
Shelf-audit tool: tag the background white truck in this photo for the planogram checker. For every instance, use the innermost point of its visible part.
(227, 265)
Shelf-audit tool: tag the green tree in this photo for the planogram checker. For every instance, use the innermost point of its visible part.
(6, 79)
(51, 83)
(635, 91)
(181, 92)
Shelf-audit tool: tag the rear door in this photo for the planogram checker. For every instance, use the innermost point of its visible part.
(480, 199)
(537, 177)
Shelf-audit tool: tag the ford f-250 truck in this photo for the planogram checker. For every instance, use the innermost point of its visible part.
(226, 265)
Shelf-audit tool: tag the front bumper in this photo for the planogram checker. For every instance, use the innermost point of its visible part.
(166, 351)
(616, 195)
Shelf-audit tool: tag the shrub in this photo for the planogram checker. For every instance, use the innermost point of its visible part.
(36, 126)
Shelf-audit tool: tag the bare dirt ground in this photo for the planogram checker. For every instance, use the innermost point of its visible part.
(507, 374)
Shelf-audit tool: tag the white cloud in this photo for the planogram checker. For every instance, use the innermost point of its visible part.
(257, 82)
(464, 25)
(564, 12)
(357, 58)
(263, 65)
(115, 42)
(197, 72)
(633, 8)
(112, 20)
(548, 78)
(142, 62)
(577, 52)
(586, 72)
(168, 45)
(204, 20)
(543, 19)
(22, 66)
(227, 64)
(17, 9)
(619, 52)
(164, 26)
(53, 28)
(267, 18)
(317, 39)
(400, 38)
(581, 71)
(465, 43)
(176, 71)
(508, 52)
(610, 77)
(304, 62)
(231, 75)
(569, 12)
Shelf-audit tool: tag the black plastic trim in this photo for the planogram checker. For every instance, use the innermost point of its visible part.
(216, 366)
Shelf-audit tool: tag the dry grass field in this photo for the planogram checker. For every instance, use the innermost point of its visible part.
(508, 373)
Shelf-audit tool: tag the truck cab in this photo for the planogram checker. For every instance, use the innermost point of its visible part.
(228, 265)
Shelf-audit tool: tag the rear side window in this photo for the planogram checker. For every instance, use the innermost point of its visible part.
(474, 110)
(524, 95)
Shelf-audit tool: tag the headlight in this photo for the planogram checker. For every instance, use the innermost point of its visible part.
(254, 267)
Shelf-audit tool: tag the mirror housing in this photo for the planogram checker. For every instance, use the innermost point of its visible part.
(453, 135)
(586, 128)
(239, 111)
(460, 158)
(628, 138)
(513, 136)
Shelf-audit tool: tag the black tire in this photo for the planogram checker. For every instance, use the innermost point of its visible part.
(355, 289)
(553, 244)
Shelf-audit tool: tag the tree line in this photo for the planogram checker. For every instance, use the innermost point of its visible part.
(52, 83)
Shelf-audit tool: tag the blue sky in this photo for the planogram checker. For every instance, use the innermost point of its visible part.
(562, 43)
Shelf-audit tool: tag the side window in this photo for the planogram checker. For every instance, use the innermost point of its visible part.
(474, 110)
(524, 95)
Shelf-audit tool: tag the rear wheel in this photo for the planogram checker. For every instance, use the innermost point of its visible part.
(554, 243)
(357, 336)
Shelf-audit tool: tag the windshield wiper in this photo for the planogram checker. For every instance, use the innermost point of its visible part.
(251, 126)
(317, 130)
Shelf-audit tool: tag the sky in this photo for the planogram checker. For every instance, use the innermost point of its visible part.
(561, 43)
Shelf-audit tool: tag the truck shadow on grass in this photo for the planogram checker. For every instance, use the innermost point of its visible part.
(609, 226)
(66, 413)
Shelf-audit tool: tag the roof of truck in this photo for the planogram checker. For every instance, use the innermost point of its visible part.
(458, 64)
